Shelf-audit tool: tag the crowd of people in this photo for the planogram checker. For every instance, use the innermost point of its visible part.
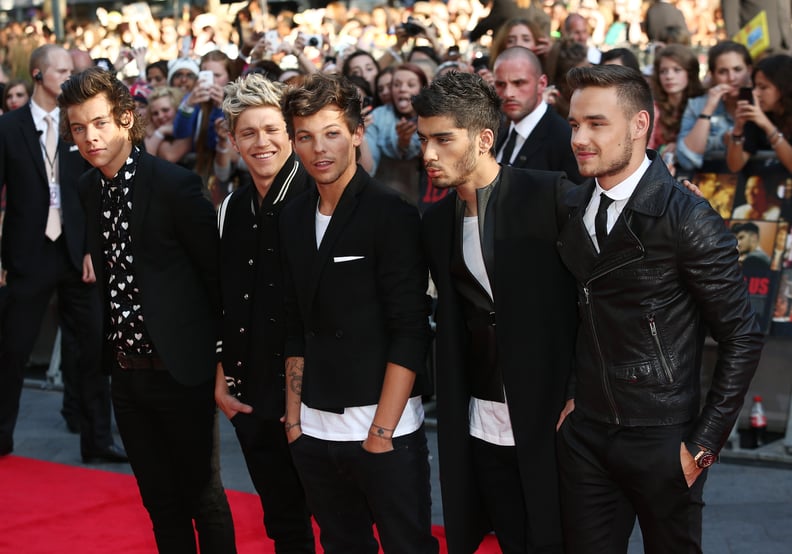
(246, 212)
(367, 42)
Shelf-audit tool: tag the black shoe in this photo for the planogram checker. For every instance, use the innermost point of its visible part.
(6, 449)
(112, 453)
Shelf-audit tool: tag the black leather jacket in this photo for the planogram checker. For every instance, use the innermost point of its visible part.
(668, 270)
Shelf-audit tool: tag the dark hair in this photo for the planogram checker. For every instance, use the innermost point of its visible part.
(267, 68)
(161, 65)
(318, 91)
(430, 52)
(384, 71)
(12, 84)
(632, 90)
(361, 83)
(778, 70)
(413, 68)
(748, 227)
(570, 55)
(625, 55)
(670, 115)
(724, 47)
(466, 98)
(356, 54)
(92, 82)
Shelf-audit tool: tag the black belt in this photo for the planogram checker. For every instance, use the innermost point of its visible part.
(139, 361)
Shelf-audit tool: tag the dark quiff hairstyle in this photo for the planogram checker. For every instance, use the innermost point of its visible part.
(778, 70)
(632, 90)
(92, 82)
(318, 91)
(464, 97)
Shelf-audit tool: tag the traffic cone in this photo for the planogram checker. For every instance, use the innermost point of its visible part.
(758, 423)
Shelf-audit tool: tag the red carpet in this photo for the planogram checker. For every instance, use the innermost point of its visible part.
(53, 508)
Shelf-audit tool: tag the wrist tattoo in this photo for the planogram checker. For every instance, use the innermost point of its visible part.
(289, 426)
(381, 432)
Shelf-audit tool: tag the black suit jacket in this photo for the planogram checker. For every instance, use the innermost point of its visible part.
(536, 321)
(359, 301)
(26, 177)
(174, 243)
(547, 148)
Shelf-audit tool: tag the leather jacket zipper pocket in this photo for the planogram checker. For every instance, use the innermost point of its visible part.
(659, 347)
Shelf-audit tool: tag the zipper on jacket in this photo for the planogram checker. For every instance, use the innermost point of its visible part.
(603, 371)
(656, 338)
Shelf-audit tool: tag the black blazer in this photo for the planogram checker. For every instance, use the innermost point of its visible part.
(536, 321)
(547, 148)
(174, 244)
(26, 178)
(359, 301)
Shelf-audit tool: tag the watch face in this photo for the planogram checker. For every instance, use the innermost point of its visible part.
(705, 459)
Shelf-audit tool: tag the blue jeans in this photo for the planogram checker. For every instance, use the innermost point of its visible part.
(349, 489)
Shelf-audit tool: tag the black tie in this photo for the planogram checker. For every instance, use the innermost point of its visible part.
(601, 220)
(509, 148)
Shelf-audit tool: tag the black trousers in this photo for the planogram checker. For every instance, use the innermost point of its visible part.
(499, 482)
(349, 490)
(27, 298)
(266, 450)
(610, 474)
(168, 429)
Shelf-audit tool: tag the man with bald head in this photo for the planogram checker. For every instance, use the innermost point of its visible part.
(43, 252)
(536, 137)
(576, 28)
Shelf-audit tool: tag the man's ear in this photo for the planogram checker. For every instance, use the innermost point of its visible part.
(486, 140)
(641, 124)
(127, 119)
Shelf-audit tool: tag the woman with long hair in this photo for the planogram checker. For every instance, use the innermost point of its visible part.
(201, 112)
(16, 94)
(393, 148)
(521, 31)
(707, 118)
(766, 122)
(674, 80)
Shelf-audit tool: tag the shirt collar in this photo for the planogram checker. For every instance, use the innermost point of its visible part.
(528, 123)
(39, 114)
(127, 171)
(624, 190)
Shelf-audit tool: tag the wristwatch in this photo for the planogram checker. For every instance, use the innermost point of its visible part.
(703, 457)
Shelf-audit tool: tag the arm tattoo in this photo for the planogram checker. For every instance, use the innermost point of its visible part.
(294, 375)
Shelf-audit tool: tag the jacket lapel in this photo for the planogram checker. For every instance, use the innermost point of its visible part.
(144, 176)
(579, 253)
(346, 207)
(534, 142)
(92, 199)
(29, 134)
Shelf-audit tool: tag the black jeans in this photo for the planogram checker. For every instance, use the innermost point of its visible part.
(167, 430)
(286, 516)
(348, 489)
(610, 474)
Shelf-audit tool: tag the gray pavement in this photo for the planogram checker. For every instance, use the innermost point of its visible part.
(748, 500)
